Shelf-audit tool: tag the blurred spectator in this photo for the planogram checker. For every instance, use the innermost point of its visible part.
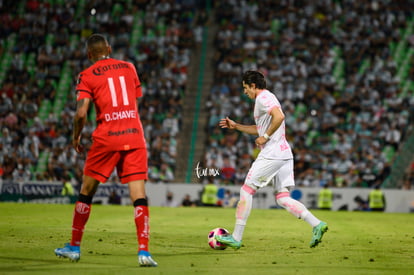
(169, 200)
(227, 171)
(362, 205)
(209, 194)
(166, 174)
(325, 198)
(230, 199)
(376, 199)
(170, 124)
(114, 198)
(21, 174)
(67, 189)
(187, 201)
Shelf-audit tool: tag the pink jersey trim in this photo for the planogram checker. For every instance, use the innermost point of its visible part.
(282, 195)
(248, 189)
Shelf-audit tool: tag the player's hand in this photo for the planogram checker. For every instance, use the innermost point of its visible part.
(227, 123)
(76, 143)
(261, 141)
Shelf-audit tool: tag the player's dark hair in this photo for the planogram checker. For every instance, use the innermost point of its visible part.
(255, 77)
(97, 45)
(95, 39)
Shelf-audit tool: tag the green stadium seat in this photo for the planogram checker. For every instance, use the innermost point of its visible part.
(44, 109)
(364, 65)
(42, 161)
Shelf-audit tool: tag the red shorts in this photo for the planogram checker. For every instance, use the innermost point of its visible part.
(130, 165)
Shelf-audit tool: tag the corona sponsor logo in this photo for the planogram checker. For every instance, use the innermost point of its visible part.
(102, 69)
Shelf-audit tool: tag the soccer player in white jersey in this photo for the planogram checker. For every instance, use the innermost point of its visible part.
(274, 164)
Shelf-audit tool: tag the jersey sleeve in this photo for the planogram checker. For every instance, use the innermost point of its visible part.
(269, 102)
(82, 88)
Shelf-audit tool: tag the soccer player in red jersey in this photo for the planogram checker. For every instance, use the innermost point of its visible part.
(118, 141)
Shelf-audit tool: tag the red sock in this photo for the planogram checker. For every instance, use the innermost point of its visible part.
(80, 217)
(142, 225)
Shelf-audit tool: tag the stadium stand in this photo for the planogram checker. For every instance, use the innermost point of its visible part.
(342, 70)
(42, 51)
(343, 73)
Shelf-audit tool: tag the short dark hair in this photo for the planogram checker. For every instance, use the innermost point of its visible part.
(255, 77)
(95, 39)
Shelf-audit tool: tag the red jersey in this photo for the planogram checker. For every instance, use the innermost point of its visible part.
(113, 85)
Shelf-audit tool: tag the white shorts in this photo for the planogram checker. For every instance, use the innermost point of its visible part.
(278, 172)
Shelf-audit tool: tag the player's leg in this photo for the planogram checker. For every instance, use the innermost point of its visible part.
(284, 180)
(141, 213)
(243, 209)
(134, 173)
(98, 168)
(80, 218)
(83, 208)
(141, 217)
(296, 208)
(300, 211)
(259, 175)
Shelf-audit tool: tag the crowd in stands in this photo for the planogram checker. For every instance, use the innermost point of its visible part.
(335, 66)
(44, 44)
(342, 81)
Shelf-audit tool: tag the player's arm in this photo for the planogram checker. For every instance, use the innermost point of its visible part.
(231, 124)
(79, 121)
(277, 119)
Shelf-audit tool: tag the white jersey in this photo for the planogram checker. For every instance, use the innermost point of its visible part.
(276, 147)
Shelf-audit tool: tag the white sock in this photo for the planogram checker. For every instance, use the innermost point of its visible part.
(308, 217)
(238, 231)
(296, 208)
(243, 210)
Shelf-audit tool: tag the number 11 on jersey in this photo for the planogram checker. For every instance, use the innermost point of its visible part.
(113, 92)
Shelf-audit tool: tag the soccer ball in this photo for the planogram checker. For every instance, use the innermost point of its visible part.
(212, 241)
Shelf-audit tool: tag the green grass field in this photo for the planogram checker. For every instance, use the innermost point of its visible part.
(275, 242)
